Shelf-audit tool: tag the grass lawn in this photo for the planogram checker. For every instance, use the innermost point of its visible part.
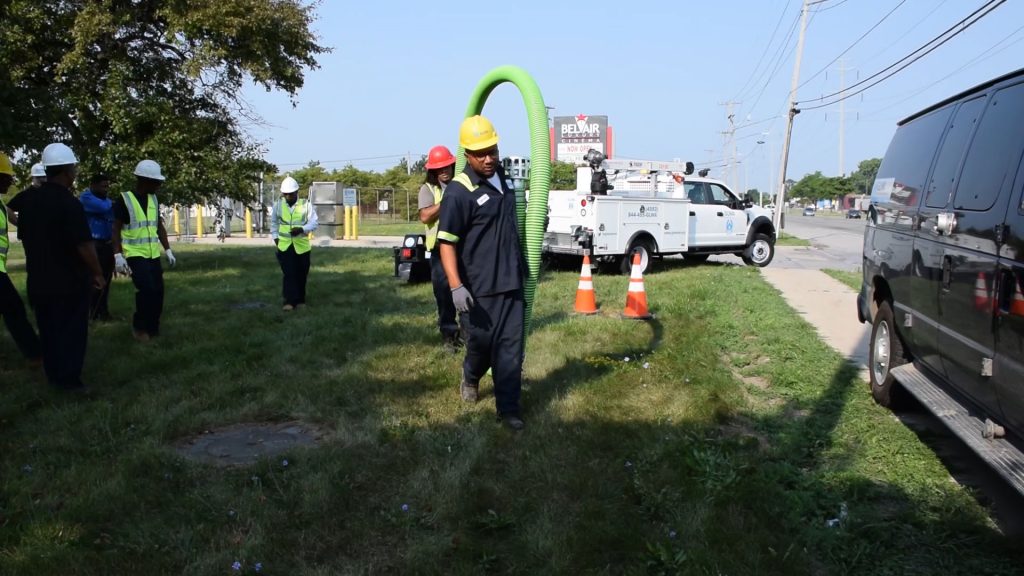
(790, 240)
(372, 227)
(724, 445)
(851, 279)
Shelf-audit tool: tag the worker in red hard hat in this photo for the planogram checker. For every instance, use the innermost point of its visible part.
(440, 170)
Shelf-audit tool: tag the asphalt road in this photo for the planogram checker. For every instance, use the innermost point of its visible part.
(837, 242)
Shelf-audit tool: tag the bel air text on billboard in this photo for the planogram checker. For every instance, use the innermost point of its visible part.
(573, 135)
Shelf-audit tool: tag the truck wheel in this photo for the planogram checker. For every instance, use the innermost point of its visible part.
(885, 353)
(760, 251)
(646, 253)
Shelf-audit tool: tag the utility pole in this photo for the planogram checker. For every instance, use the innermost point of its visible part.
(791, 113)
(729, 144)
(408, 163)
(842, 118)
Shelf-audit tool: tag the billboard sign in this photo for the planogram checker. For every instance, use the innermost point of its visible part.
(574, 135)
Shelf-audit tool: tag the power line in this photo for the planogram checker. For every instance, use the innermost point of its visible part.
(850, 47)
(782, 57)
(771, 40)
(906, 33)
(900, 65)
(827, 8)
(349, 161)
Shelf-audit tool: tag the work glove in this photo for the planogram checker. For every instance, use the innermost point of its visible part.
(462, 299)
(276, 241)
(297, 231)
(171, 260)
(121, 265)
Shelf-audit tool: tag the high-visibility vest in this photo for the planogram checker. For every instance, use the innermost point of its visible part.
(463, 178)
(432, 229)
(139, 237)
(289, 217)
(4, 242)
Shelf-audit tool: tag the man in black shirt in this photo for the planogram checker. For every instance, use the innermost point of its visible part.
(11, 306)
(479, 238)
(62, 267)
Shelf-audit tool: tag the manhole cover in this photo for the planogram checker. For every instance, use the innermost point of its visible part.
(243, 444)
(249, 305)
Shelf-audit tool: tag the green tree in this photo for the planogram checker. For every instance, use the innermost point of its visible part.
(122, 80)
(563, 176)
(864, 178)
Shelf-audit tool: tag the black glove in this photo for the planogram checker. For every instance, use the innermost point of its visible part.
(296, 231)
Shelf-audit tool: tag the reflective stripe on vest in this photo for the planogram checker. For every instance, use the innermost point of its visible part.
(289, 217)
(4, 242)
(432, 229)
(463, 179)
(139, 236)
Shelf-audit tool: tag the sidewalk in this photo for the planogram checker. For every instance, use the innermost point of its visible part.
(828, 305)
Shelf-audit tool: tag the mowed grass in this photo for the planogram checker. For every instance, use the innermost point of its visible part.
(785, 239)
(852, 279)
(724, 445)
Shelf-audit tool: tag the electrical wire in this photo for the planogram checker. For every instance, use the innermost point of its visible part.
(913, 57)
(827, 8)
(764, 52)
(851, 46)
(780, 61)
(349, 161)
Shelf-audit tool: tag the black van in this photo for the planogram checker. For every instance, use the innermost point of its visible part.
(944, 268)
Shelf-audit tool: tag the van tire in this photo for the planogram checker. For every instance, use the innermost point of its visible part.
(885, 352)
(760, 251)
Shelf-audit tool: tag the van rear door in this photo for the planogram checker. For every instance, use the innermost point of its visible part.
(1008, 372)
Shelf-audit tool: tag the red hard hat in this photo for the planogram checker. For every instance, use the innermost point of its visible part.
(439, 157)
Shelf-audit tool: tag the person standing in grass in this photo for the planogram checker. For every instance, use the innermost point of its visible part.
(292, 221)
(440, 170)
(100, 212)
(11, 306)
(139, 235)
(60, 260)
(479, 239)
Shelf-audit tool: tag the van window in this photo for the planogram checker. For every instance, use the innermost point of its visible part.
(720, 196)
(995, 151)
(696, 193)
(940, 188)
(910, 155)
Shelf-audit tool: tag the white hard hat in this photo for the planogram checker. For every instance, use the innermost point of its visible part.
(38, 171)
(149, 169)
(289, 186)
(58, 155)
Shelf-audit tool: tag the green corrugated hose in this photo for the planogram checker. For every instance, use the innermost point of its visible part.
(531, 219)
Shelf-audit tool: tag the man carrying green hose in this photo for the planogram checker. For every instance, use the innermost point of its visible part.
(479, 239)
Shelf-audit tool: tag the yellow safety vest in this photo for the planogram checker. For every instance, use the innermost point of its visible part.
(139, 236)
(4, 242)
(289, 217)
(432, 229)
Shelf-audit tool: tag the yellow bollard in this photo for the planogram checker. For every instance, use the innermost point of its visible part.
(248, 223)
(355, 222)
(348, 222)
(199, 221)
(177, 222)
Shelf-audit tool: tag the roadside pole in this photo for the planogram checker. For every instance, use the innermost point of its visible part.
(780, 204)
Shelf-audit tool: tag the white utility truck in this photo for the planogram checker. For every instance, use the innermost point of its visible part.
(657, 209)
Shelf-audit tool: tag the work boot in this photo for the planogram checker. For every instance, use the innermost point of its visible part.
(513, 422)
(452, 343)
(288, 308)
(469, 393)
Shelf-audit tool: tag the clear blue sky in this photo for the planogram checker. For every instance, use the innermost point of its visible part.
(400, 76)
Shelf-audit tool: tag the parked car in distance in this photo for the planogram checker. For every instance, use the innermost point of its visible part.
(853, 213)
(808, 211)
(943, 285)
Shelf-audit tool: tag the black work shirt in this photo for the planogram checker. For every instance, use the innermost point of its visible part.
(482, 225)
(52, 225)
(18, 201)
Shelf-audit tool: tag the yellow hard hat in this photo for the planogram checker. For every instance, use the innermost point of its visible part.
(5, 165)
(477, 133)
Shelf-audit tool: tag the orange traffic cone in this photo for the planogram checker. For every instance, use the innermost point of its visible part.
(981, 296)
(1017, 304)
(586, 301)
(636, 298)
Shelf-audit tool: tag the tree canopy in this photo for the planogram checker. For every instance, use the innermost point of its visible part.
(123, 80)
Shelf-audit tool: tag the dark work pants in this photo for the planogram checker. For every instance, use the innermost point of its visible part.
(99, 305)
(446, 321)
(13, 311)
(495, 328)
(148, 277)
(64, 330)
(295, 269)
